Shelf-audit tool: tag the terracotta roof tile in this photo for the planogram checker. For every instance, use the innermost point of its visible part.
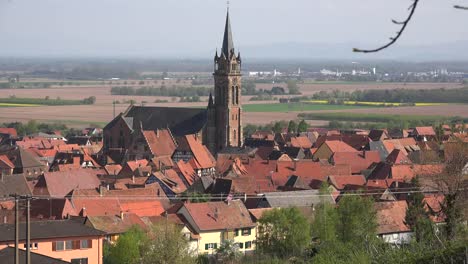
(358, 161)
(201, 155)
(218, 215)
(425, 131)
(160, 142)
(6, 163)
(339, 181)
(339, 146)
(9, 131)
(397, 157)
(391, 217)
(61, 183)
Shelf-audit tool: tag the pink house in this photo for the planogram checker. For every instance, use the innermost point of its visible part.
(69, 240)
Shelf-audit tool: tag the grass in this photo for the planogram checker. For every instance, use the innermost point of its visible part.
(296, 107)
(16, 101)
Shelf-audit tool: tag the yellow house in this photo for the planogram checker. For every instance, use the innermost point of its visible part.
(214, 222)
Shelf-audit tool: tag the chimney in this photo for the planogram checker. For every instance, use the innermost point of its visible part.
(157, 133)
(295, 164)
(122, 215)
(83, 212)
(108, 187)
(133, 178)
(5, 219)
(100, 190)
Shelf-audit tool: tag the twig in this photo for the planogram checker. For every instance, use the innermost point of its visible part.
(403, 24)
(461, 7)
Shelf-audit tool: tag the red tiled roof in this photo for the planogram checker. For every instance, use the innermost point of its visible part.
(187, 171)
(9, 131)
(143, 208)
(61, 183)
(425, 131)
(172, 180)
(5, 162)
(218, 215)
(201, 155)
(113, 169)
(397, 157)
(402, 172)
(339, 181)
(433, 205)
(301, 142)
(160, 142)
(135, 164)
(267, 135)
(257, 213)
(358, 161)
(339, 146)
(391, 144)
(391, 217)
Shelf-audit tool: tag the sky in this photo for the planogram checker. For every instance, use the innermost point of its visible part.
(194, 28)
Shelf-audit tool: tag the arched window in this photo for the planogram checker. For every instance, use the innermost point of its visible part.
(233, 95)
(237, 94)
(235, 136)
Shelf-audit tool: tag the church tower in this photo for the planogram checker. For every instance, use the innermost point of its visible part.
(226, 110)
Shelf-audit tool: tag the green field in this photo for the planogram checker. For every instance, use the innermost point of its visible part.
(18, 102)
(297, 107)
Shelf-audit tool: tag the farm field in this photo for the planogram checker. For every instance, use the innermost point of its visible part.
(311, 88)
(297, 107)
(255, 112)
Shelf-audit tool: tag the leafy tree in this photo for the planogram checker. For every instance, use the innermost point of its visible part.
(277, 127)
(166, 244)
(356, 219)
(292, 87)
(127, 248)
(277, 90)
(283, 232)
(292, 127)
(325, 222)
(303, 126)
(417, 217)
(228, 252)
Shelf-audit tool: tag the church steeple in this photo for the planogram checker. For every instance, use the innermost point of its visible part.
(226, 129)
(228, 43)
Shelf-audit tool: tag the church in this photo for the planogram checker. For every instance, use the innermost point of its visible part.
(219, 125)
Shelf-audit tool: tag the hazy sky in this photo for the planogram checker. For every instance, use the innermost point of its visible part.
(193, 28)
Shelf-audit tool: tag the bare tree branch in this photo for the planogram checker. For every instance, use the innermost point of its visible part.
(461, 7)
(403, 24)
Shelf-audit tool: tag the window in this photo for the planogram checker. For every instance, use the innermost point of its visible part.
(211, 246)
(237, 232)
(246, 231)
(68, 245)
(32, 245)
(248, 244)
(80, 261)
(58, 246)
(85, 244)
(241, 245)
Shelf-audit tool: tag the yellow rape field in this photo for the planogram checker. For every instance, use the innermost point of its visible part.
(17, 105)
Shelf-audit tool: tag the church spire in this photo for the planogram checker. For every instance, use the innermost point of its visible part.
(228, 44)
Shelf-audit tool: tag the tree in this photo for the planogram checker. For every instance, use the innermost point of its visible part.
(303, 126)
(127, 248)
(292, 127)
(283, 232)
(228, 252)
(292, 87)
(403, 24)
(166, 245)
(278, 127)
(417, 217)
(326, 218)
(357, 220)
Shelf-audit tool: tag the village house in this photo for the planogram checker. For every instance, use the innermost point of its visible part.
(216, 222)
(69, 240)
(391, 222)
